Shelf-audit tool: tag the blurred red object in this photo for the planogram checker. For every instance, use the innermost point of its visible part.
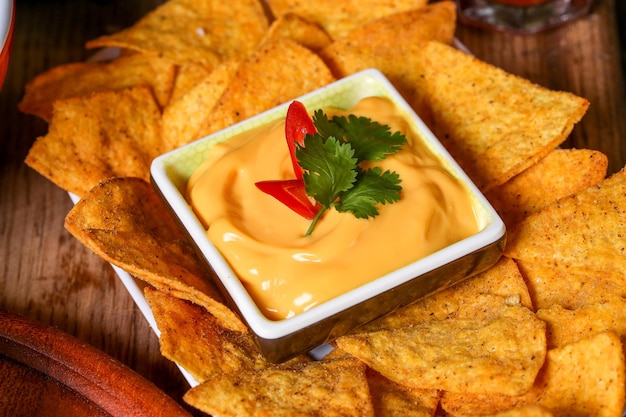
(7, 20)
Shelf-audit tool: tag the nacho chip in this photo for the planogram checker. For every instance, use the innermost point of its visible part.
(183, 118)
(276, 73)
(491, 345)
(324, 388)
(568, 326)
(145, 242)
(204, 32)
(84, 78)
(107, 134)
(502, 280)
(394, 400)
(369, 47)
(300, 30)
(585, 231)
(187, 76)
(526, 411)
(585, 378)
(561, 173)
(494, 123)
(339, 17)
(549, 285)
(196, 341)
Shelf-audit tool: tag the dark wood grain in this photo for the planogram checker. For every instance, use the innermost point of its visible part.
(49, 277)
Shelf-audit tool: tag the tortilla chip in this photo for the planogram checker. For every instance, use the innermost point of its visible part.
(585, 231)
(549, 286)
(494, 123)
(489, 345)
(502, 280)
(300, 30)
(339, 17)
(196, 341)
(568, 326)
(323, 388)
(527, 411)
(276, 73)
(183, 118)
(204, 32)
(107, 134)
(145, 242)
(585, 378)
(84, 78)
(394, 400)
(369, 47)
(561, 173)
(187, 76)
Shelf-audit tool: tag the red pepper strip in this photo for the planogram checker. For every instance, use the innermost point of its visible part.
(298, 124)
(291, 193)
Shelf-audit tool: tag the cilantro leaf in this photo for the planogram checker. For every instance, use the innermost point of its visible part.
(372, 187)
(329, 167)
(370, 140)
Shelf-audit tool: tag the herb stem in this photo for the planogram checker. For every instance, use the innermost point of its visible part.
(315, 220)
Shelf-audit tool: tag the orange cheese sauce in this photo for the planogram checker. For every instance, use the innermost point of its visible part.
(263, 240)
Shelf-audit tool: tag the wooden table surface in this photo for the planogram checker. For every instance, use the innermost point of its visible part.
(49, 277)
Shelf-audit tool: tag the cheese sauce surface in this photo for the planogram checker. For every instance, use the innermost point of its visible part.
(263, 240)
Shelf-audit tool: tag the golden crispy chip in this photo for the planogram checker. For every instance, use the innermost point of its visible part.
(369, 47)
(324, 388)
(491, 345)
(585, 231)
(182, 118)
(394, 400)
(503, 280)
(585, 378)
(107, 134)
(187, 76)
(549, 285)
(339, 17)
(561, 173)
(204, 32)
(568, 326)
(196, 341)
(125, 223)
(298, 29)
(84, 78)
(276, 73)
(526, 411)
(494, 123)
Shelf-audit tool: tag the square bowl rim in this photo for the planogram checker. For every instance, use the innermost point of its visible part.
(492, 231)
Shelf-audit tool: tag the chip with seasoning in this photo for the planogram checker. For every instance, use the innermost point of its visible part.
(145, 242)
(204, 32)
(585, 378)
(298, 29)
(489, 345)
(276, 73)
(368, 47)
(183, 118)
(196, 340)
(584, 232)
(494, 123)
(84, 78)
(99, 136)
(340, 17)
(561, 173)
(336, 387)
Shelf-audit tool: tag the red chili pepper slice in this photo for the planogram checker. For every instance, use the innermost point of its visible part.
(291, 193)
(298, 124)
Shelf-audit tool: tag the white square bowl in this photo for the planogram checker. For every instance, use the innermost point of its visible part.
(284, 339)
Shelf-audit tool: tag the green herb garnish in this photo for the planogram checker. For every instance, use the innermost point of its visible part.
(333, 160)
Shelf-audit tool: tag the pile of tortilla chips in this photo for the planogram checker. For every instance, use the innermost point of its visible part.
(542, 333)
